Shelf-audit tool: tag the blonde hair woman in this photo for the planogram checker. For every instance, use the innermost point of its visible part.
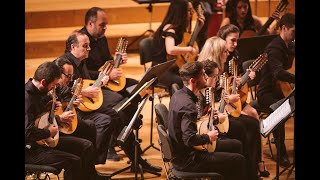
(215, 50)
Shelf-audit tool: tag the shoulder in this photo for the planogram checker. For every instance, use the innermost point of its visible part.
(168, 28)
(256, 20)
(225, 21)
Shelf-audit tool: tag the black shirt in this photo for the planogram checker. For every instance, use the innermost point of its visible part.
(182, 126)
(99, 52)
(80, 68)
(159, 53)
(280, 59)
(33, 109)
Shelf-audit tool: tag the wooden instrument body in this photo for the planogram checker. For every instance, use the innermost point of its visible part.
(236, 108)
(90, 104)
(223, 127)
(117, 85)
(244, 91)
(202, 127)
(43, 122)
(70, 127)
(181, 59)
(190, 40)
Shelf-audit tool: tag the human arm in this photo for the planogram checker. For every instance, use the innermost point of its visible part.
(171, 49)
(276, 60)
(189, 130)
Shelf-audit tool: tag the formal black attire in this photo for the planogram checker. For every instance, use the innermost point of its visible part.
(246, 130)
(99, 53)
(73, 154)
(159, 55)
(182, 129)
(280, 59)
(107, 120)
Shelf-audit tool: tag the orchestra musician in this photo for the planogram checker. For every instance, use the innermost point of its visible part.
(169, 35)
(182, 129)
(275, 74)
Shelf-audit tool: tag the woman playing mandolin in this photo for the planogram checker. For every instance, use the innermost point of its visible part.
(241, 16)
(169, 35)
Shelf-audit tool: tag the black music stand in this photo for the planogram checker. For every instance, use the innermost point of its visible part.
(123, 136)
(150, 9)
(148, 80)
(282, 111)
(251, 47)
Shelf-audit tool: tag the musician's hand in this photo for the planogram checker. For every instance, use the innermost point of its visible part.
(252, 74)
(276, 14)
(192, 50)
(124, 58)
(215, 114)
(115, 74)
(67, 116)
(58, 105)
(77, 101)
(213, 135)
(53, 130)
(90, 91)
(232, 98)
(201, 19)
(105, 80)
(222, 117)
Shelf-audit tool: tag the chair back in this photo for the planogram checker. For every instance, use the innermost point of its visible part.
(174, 88)
(162, 114)
(165, 143)
(145, 51)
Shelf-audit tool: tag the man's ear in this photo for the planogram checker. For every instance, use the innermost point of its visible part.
(192, 80)
(43, 82)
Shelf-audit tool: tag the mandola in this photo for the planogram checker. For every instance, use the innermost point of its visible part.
(70, 127)
(48, 119)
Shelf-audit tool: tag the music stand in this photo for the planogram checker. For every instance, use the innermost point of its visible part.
(123, 136)
(282, 111)
(150, 9)
(148, 79)
(251, 47)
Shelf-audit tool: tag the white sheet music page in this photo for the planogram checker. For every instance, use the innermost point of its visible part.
(274, 118)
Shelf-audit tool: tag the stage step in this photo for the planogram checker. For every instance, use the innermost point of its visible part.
(50, 42)
(69, 13)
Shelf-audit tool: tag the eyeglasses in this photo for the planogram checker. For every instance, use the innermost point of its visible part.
(68, 75)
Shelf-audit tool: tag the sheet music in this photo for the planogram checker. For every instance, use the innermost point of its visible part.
(274, 118)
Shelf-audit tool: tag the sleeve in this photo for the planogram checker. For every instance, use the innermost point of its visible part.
(275, 58)
(166, 34)
(31, 131)
(189, 131)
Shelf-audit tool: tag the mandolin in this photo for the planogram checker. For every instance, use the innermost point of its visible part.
(255, 66)
(48, 119)
(207, 123)
(70, 127)
(280, 8)
(117, 85)
(285, 88)
(236, 108)
(223, 128)
(189, 40)
(90, 104)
